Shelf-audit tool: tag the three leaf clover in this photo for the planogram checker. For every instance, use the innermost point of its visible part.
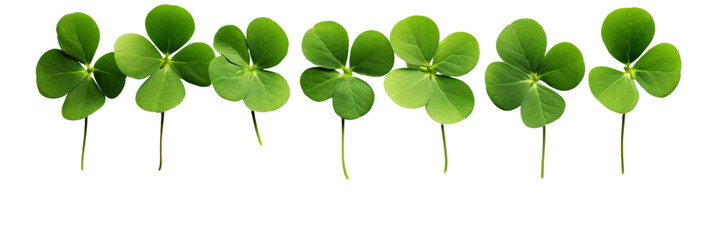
(235, 79)
(68, 71)
(169, 27)
(327, 45)
(428, 79)
(516, 81)
(626, 33)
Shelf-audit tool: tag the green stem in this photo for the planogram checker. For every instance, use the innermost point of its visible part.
(622, 145)
(84, 142)
(161, 141)
(344, 169)
(255, 125)
(446, 157)
(542, 158)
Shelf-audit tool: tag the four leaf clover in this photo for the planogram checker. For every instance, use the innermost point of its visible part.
(428, 79)
(626, 33)
(327, 45)
(235, 79)
(68, 71)
(169, 27)
(516, 81)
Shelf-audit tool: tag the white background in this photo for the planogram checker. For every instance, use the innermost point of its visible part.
(217, 183)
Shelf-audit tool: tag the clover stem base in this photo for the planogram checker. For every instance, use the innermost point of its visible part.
(255, 125)
(622, 145)
(84, 142)
(161, 141)
(446, 157)
(344, 169)
(542, 158)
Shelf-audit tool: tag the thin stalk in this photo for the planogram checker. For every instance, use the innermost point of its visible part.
(255, 125)
(161, 141)
(542, 158)
(84, 142)
(344, 169)
(446, 157)
(622, 144)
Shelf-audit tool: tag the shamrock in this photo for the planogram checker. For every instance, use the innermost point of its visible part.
(326, 45)
(169, 27)
(428, 80)
(235, 79)
(515, 81)
(68, 71)
(626, 33)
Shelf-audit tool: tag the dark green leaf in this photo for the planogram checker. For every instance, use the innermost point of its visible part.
(83, 100)
(57, 73)
(563, 67)
(627, 32)
(267, 42)
(326, 45)
(78, 36)
(192, 63)
(230, 42)
(319, 83)
(371, 54)
(451, 100)
(110, 79)
(161, 92)
(269, 91)
(541, 106)
(522, 44)
(169, 27)
(353, 98)
(506, 85)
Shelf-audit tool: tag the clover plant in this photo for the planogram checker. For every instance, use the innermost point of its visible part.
(428, 79)
(233, 76)
(518, 80)
(626, 33)
(169, 27)
(68, 71)
(327, 45)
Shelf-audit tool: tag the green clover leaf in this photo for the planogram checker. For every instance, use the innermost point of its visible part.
(428, 79)
(626, 33)
(233, 76)
(69, 71)
(515, 82)
(169, 27)
(327, 45)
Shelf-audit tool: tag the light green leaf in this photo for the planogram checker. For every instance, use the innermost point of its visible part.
(230, 42)
(57, 73)
(135, 56)
(407, 87)
(231, 82)
(353, 98)
(451, 100)
(563, 67)
(371, 54)
(614, 89)
(269, 91)
(627, 32)
(169, 27)
(326, 45)
(161, 92)
(506, 85)
(415, 39)
(319, 83)
(522, 44)
(192, 63)
(83, 100)
(267, 42)
(659, 70)
(457, 54)
(110, 79)
(78, 36)
(541, 106)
